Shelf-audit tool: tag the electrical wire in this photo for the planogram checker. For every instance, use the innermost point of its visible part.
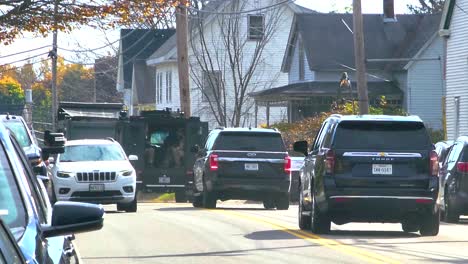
(22, 52)
(25, 59)
(242, 12)
(19, 67)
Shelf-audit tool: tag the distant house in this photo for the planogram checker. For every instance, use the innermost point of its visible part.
(268, 75)
(454, 31)
(403, 64)
(105, 73)
(134, 78)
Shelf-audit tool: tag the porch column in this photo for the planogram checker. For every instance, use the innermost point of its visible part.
(268, 113)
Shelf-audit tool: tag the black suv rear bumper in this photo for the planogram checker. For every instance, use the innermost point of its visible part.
(377, 205)
(252, 189)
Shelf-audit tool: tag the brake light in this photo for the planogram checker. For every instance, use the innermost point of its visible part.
(213, 162)
(287, 164)
(434, 163)
(330, 161)
(462, 167)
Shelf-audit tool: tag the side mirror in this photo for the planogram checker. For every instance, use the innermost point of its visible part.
(74, 217)
(132, 157)
(51, 160)
(195, 149)
(301, 147)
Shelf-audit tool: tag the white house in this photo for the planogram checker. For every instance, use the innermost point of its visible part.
(254, 19)
(454, 30)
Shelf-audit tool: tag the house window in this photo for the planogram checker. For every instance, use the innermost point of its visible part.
(159, 87)
(168, 87)
(211, 84)
(256, 25)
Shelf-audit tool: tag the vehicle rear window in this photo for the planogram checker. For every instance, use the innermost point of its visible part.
(381, 135)
(249, 141)
(464, 156)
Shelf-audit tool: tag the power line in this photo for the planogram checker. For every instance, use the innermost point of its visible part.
(98, 48)
(241, 12)
(19, 67)
(25, 59)
(459, 7)
(21, 52)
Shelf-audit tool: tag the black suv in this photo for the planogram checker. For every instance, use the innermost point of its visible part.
(454, 182)
(370, 169)
(243, 163)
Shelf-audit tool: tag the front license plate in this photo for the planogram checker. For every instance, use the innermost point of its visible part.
(382, 169)
(96, 187)
(251, 166)
(164, 180)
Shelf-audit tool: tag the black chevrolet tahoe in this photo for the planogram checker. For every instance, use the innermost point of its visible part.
(242, 163)
(370, 169)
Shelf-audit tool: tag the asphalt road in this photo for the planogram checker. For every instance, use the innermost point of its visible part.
(246, 233)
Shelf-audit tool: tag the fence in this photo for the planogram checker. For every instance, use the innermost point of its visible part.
(38, 130)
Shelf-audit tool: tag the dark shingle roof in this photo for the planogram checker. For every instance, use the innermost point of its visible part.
(328, 42)
(139, 44)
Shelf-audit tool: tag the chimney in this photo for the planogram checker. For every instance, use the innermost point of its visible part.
(389, 11)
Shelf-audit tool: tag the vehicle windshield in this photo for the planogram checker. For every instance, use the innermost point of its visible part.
(12, 209)
(20, 132)
(382, 135)
(248, 141)
(104, 152)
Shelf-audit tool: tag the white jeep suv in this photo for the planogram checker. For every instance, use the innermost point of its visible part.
(96, 171)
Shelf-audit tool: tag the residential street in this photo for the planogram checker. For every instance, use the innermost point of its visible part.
(247, 233)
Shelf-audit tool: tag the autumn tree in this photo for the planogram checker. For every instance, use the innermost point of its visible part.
(427, 7)
(11, 92)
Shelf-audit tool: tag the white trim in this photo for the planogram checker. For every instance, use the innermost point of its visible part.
(381, 197)
(383, 154)
(422, 49)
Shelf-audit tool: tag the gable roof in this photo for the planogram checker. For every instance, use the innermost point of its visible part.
(139, 44)
(168, 51)
(329, 45)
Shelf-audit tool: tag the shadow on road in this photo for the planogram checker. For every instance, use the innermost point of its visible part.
(241, 252)
(338, 234)
(271, 235)
(188, 208)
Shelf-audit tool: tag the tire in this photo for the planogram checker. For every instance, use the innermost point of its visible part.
(269, 204)
(209, 198)
(120, 207)
(282, 201)
(430, 225)
(409, 227)
(180, 196)
(319, 222)
(132, 207)
(450, 216)
(197, 201)
(304, 220)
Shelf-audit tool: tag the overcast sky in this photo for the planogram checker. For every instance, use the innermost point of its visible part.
(87, 38)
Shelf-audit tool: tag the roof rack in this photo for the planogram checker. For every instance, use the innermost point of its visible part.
(110, 139)
(336, 115)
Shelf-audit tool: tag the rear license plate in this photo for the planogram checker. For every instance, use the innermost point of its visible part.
(96, 187)
(164, 180)
(251, 166)
(382, 169)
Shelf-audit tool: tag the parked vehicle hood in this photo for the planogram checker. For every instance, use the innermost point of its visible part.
(94, 165)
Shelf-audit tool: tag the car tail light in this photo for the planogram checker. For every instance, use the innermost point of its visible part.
(434, 163)
(287, 164)
(330, 161)
(462, 167)
(213, 162)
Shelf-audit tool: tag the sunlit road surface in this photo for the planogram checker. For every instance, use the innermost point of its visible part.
(246, 233)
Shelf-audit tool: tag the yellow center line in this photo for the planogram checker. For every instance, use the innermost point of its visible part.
(363, 254)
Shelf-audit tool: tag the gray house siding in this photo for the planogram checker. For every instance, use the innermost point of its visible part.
(425, 92)
(294, 71)
(457, 73)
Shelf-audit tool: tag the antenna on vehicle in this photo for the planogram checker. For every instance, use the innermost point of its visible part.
(8, 116)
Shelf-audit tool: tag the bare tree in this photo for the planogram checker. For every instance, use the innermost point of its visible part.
(427, 7)
(228, 65)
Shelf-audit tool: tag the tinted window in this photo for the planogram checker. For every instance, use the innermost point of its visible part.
(382, 135)
(12, 210)
(107, 152)
(20, 132)
(464, 157)
(249, 141)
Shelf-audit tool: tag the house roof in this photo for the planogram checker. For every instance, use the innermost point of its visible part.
(307, 89)
(139, 44)
(329, 43)
(168, 50)
(143, 83)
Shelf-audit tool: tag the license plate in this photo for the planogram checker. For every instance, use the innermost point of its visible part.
(96, 187)
(251, 166)
(164, 180)
(382, 169)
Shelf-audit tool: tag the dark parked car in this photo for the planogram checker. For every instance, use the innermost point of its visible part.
(243, 163)
(453, 174)
(27, 140)
(370, 169)
(42, 232)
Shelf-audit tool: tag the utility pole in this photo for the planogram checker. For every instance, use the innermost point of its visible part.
(182, 56)
(359, 58)
(54, 56)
